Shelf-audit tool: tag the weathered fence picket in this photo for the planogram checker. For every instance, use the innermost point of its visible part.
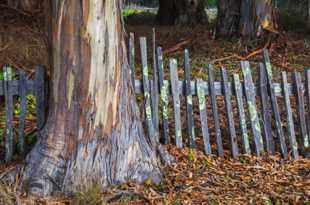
(241, 114)
(301, 109)
(40, 96)
(189, 101)
(251, 101)
(155, 95)
(176, 101)
(164, 95)
(131, 57)
(229, 115)
(216, 121)
(269, 142)
(203, 116)
(23, 111)
(8, 113)
(146, 87)
(289, 117)
(307, 74)
(274, 103)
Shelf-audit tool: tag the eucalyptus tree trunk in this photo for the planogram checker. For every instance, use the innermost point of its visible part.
(93, 135)
(184, 12)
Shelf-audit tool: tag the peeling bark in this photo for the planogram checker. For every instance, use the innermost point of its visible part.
(185, 12)
(93, 134)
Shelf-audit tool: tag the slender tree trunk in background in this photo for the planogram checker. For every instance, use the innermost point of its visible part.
(308, 19)
(184, 12)
(93, 135)
(228, 17)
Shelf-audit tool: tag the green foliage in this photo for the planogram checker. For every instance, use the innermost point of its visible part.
(212, 3)
(91, 196)
(131, 12)
(191, 156)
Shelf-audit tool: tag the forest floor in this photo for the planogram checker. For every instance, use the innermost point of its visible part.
(195, 178)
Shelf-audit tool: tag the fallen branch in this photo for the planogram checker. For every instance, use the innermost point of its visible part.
(177, 47)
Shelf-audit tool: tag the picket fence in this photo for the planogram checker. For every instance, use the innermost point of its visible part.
(12, 90)
(260, 127)
(269, 133)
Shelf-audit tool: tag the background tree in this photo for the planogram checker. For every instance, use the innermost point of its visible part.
(93, 134)
(228, 18)
(308, 19)
(247, 18)
(186, 12)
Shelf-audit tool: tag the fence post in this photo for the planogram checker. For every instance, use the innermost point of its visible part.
(217, 127)
(189, 101)
(40, 96)
(176, 102)
(22, 89)
(274, 103)
(8, 113)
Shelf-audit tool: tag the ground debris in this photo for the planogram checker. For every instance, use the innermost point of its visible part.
(197, 179)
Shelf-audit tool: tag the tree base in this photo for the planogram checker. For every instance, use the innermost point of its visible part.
(102, 162)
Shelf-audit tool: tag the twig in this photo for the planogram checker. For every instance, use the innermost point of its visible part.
(254, 53)
(4, 47)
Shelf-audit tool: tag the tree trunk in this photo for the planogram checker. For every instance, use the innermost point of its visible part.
(308, 19)
(29, 6)
(93, 135)
(246, 18)
(228, 17)
(185, 12)
(256, 18)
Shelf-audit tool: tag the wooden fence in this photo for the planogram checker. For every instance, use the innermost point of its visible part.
(257, 104)
(13, 89)
(258, 126)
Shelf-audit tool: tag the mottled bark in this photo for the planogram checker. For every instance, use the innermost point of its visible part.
(185, 12)
(93, 134)
(246, 18)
